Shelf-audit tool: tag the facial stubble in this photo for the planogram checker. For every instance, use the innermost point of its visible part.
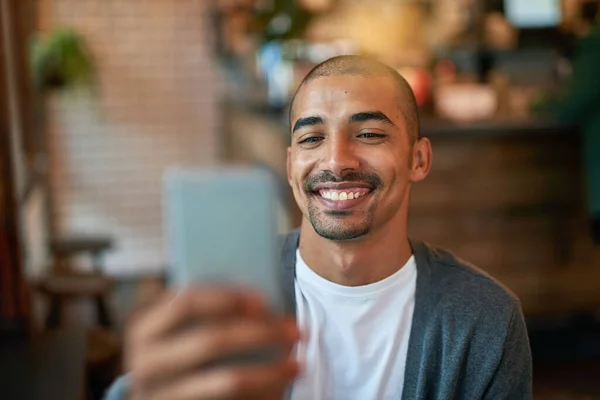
(336, 225)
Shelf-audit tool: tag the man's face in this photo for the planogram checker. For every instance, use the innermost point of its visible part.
(349, 163)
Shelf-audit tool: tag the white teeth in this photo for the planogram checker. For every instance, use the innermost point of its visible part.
(340, 196)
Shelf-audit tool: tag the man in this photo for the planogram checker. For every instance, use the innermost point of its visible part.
(383, 317)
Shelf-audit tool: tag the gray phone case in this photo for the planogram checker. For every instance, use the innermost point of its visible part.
(221, 227)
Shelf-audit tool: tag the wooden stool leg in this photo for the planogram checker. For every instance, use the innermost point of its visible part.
(102, 312)
(54, 318)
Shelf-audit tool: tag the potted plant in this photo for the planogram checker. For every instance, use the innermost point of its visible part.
(61, 61)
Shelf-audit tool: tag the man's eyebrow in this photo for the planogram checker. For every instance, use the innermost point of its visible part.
(370, 116)
(307, 121)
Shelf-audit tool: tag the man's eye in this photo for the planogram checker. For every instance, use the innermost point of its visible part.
(313, 139)
(370, 135)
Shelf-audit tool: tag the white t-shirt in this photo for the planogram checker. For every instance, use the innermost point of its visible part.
(357, 336)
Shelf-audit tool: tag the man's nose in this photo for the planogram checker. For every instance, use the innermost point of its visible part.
(340, 156)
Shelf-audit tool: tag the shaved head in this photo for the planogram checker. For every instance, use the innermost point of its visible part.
(365, 66)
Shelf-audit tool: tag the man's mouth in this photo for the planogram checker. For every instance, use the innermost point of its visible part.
(343, 194)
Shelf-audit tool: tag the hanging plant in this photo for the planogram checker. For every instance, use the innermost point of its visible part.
(61, 61)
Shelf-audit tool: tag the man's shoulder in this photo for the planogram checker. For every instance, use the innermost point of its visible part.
(462, 284)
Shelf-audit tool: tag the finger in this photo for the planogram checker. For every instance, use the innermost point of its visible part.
(230, 383)
(177, 309)
(208, 344)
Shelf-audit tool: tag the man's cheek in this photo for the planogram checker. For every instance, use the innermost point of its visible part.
(299, 191)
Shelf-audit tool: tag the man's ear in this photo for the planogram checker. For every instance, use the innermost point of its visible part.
(421, 160)
(288, 165)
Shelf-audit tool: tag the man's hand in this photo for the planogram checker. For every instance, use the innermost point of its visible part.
(174, 347)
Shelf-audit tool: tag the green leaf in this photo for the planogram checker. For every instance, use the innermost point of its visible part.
(61, 60)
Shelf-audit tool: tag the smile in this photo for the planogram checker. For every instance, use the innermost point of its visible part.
(342, 197)
(343, 194)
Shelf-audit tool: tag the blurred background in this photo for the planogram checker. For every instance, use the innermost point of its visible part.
(99, 97)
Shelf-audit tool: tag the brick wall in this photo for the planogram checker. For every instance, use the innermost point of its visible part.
(158, 105)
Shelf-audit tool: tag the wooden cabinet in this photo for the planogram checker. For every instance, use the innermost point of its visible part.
(510, 200)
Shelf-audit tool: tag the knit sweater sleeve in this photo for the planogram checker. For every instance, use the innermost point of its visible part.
(513, 376)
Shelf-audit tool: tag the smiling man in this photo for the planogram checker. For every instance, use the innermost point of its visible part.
(385, 317)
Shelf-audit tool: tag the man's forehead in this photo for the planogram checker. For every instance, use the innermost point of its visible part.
(341, 91)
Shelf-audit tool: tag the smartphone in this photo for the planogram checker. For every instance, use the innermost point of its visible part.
(221, 227)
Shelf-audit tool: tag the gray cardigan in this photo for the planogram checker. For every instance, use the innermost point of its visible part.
(468, 338)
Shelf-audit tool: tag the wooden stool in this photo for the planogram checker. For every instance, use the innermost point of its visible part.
(67, 247)
(64, 283)
(62, 288)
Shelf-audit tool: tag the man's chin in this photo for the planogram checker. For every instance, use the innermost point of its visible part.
(340, 224)
(338, 213)
(339, 233)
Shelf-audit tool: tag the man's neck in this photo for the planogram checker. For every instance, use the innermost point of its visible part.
(356, 262)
